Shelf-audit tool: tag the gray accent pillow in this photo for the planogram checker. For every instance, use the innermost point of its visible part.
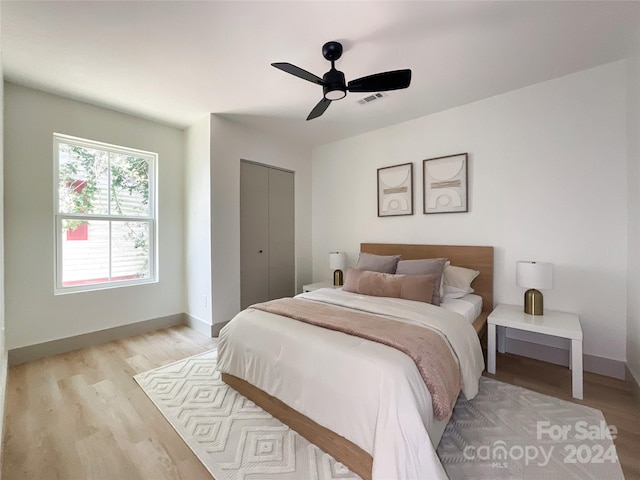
(427, 266)
(378, 263)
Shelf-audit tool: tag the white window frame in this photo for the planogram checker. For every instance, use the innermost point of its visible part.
(59, 217)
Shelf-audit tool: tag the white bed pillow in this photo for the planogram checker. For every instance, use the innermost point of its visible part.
(459, 277)
(455, 292)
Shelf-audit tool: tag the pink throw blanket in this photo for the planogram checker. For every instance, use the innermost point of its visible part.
(430, 352)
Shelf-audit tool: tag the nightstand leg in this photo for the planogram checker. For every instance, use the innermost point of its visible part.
(571, 360)
(576, 368)
(491, 348)
(502, 335)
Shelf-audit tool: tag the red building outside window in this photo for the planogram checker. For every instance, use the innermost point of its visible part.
(81, 232)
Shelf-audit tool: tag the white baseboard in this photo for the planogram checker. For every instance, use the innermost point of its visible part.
(4, 367)
(215, 329)
(634, 382)
(560, 356)
(203, 327)
(199, 325)
(54, 347)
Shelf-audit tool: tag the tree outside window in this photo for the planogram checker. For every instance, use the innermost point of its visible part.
(108, 191)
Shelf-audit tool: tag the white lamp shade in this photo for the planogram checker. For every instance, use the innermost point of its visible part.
(337, 260)
(538, 275)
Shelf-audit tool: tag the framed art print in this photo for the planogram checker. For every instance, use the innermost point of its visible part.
(445, 184)
(395, 190)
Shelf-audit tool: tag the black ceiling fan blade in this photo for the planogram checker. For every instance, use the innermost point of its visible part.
(380, 82)
(298, 72)
(319, 109)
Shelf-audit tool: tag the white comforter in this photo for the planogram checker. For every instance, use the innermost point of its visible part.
(366, 392)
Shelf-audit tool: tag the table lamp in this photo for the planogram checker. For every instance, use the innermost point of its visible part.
(337, 263)
(534, 276)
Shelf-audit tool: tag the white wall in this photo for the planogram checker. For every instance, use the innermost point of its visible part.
(230, 143)
(33, 313)
(547, 182)
(633, 181)
(198, 221)
(3, 346)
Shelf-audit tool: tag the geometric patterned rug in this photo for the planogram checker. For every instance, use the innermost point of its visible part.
(506, 432)
(509, 432)
(230, 435)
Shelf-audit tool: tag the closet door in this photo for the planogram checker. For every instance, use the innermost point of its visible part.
(267, 248)
(254, 234)
(281, 234)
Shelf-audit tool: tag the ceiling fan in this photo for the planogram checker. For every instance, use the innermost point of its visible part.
(333, 83)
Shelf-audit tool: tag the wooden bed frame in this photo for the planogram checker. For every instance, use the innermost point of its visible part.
(343, 450)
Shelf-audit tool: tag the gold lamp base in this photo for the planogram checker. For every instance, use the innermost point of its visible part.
(338, 278)
(533, 302)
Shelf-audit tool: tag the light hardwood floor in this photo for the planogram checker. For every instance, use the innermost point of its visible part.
(80, 415)
(615, 398)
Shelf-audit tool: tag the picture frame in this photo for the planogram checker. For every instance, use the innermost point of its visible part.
(395, 190)
(444, 182)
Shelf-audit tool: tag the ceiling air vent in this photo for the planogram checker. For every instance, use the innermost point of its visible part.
(371, 98)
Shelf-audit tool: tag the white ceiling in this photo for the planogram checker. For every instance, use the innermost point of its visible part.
(178, 61)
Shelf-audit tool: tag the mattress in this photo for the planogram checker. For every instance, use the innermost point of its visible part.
(469, 306)
(354, 387)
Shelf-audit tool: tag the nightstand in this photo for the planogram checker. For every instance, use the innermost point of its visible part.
(315, 286)
(559, 324)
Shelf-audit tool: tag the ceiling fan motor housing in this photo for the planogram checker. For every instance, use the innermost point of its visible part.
(332, 51)
(334, 87)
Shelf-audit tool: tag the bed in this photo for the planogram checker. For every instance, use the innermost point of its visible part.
(361, 402)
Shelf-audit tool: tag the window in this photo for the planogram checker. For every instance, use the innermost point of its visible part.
(104, 214)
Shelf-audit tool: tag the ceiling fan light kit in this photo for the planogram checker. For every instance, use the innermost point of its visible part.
(334, 85)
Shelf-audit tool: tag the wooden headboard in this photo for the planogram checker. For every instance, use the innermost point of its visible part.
(476, 258)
